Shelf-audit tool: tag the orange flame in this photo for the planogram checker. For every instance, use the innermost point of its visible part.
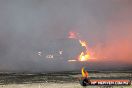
(84, 72)
(83, 56)
(83, 43)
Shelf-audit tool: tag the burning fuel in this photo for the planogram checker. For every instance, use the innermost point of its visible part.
(84, 73)
(86, 54)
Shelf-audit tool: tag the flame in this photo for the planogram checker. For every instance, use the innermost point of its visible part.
(83, 43)
(84, 72)
(85, 55)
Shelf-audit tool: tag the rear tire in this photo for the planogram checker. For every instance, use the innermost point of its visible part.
(85, 82)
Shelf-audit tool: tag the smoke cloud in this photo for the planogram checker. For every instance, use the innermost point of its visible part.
(29, 27)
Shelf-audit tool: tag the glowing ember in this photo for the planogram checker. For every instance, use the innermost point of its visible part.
(84, 72)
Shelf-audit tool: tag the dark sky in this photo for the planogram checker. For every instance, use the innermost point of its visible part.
(31, 26)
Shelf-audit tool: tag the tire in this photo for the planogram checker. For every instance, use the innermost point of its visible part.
(85, 82)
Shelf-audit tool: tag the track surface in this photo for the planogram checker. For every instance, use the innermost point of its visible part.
(57, 80)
